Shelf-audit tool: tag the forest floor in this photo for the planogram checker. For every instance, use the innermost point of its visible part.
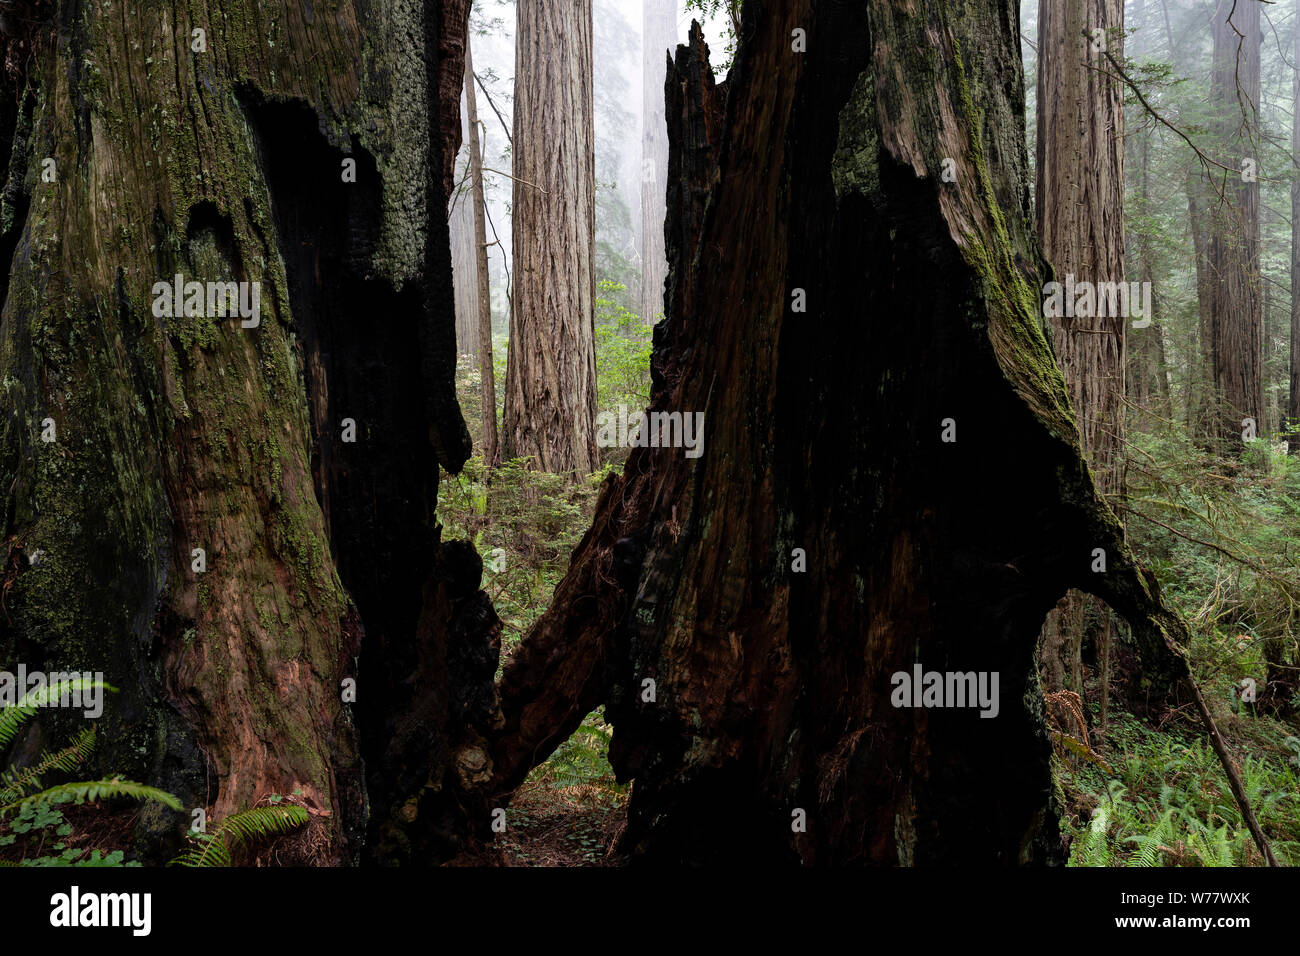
(576, 825)
(1142, 793)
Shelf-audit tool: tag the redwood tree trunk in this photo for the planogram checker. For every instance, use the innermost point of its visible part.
(1079, 206)
(1148, 368)
(322, 555)
(1294, 403)
(1201, 422)
(1236, 321)
(658, 37)
(550, 404)
(772, 684)
(460, 222)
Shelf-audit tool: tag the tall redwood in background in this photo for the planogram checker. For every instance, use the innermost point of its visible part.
(550, 401)
(1079, 210)
(1235, 315)
(658, 38)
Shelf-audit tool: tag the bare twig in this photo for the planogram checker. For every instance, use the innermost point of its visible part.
(504, 127)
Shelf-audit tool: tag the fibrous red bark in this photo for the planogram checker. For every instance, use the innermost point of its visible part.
(217, 147)
(550, 390)
(1235, 316)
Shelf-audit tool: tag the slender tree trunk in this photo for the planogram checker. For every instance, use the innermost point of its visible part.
(1148, 380)
(550, 405)
(745, 614)
(1235, 318)
(483, 312)
(658, 37)
(1200, 390)
(463, 260)
(1294, 400)
(1271, 423)
(1080, 218)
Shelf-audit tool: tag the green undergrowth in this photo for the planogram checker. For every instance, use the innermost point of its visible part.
(1166, 800)
(1218, 531)
(37, 797)
(526, 524)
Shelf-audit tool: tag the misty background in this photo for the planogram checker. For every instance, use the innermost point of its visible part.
(619, 124)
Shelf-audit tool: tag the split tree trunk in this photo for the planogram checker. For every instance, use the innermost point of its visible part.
(658, 37)
(772, 670)
(322, 559)
(550, 404)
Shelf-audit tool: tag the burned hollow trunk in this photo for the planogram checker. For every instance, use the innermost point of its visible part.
(863, 337)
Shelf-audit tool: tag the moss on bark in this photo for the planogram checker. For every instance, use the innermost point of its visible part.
(194, 432)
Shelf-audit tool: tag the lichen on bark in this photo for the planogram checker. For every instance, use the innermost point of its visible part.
(184, 432)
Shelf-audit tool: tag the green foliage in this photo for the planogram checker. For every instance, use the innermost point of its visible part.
(1090, 847)
(1170, 805)
(1218, 534)
(623, 345)
(215, 847)
(583, 760)
(11, 718)
(44, 829)
(524, 523)
(91, 791)
(30, 809)
(16, 784)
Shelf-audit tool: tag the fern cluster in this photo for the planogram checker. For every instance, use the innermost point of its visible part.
(19, 788)
(12, 717)
(1171, 807)
(24, 795)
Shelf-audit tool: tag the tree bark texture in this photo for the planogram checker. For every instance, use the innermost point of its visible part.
(658, 38)
(482, 317)
(1079, 211)
(1148, 369)
(1236, 322)
(550, 403)
(460, 223)
(322, 553)
(772, 678)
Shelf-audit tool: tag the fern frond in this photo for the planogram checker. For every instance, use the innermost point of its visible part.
(210, 850)
(17, 784)
(11, 718)
(1151, 844)
(90, 791)
(213, 849)
(1093, 850)
(1080, 749)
